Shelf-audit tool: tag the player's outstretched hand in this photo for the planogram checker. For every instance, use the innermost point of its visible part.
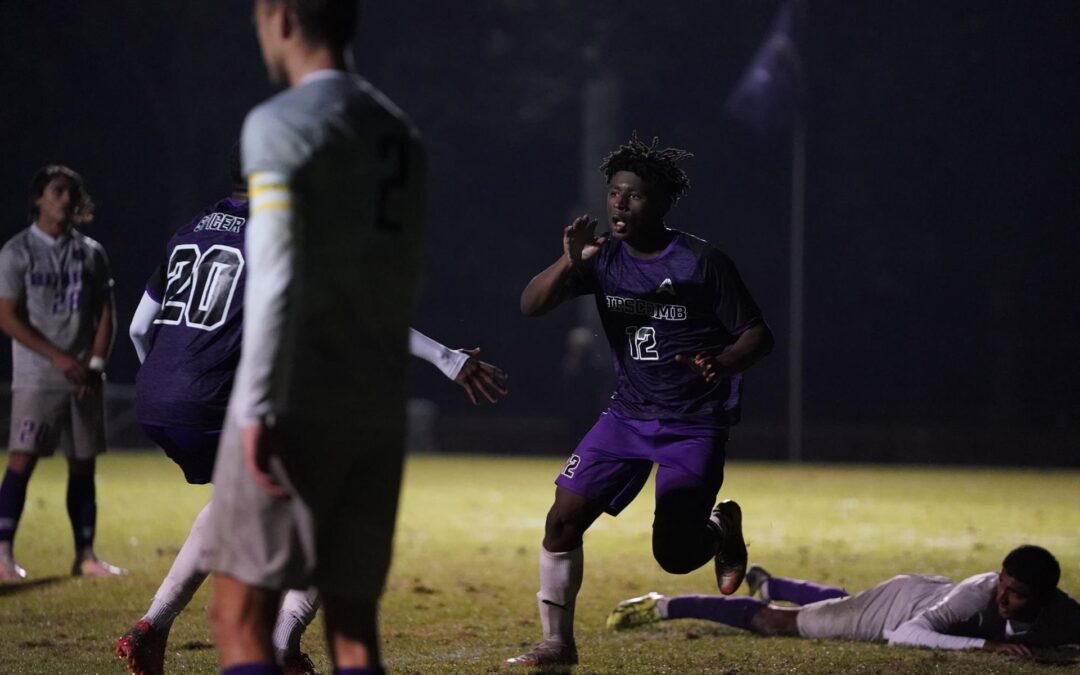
(579, 239)
(67, 364)
(705, 364)
(480, 377)
(261, 443)
(1009, 648)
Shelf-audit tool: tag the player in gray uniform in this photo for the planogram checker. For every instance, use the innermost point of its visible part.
(309, 468)
(56, 306)
(1009, 611)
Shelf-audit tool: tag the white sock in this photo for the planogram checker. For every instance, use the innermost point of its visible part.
(764, 591)
(183, 579)
(560, 581)
(297, 611)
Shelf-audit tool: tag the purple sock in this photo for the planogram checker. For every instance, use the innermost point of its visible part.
(82, 510)
(733, 611)
(12, 500)
(260, 668)
(367, 670)
(801, 592)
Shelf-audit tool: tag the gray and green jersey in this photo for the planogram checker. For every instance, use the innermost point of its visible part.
(61, 286)
(336, 177)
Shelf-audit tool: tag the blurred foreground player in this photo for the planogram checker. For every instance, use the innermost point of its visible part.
(189, 359)
(682, 328)
(309, 467)
(1008, 612)
(56, 305)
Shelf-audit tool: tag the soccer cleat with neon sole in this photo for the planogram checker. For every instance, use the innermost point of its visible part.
(635, 612)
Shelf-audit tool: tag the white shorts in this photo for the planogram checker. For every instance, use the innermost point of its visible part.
(866, 616)
(44, 421)
(335, 530)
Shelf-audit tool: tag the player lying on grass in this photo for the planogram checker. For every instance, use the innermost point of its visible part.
(1008, 612)
(187, 335)
(682, 328)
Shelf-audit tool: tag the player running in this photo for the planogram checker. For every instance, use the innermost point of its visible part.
(1008, 612)
(56, 305)
(682, 328)
(187, 334)
(309, 469)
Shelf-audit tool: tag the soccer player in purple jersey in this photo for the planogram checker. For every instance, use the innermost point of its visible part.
(56, 305)
(187, 334)
(682, 328)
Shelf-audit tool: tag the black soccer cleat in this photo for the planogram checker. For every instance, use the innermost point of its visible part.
(731, 553)
(756, 576)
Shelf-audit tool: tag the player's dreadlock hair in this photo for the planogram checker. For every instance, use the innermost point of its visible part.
(657, 166)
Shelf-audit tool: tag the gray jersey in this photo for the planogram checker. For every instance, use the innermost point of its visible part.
(336, 174)
(61, 286)
(873, 613)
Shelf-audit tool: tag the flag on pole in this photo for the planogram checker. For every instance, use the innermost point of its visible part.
(769, 93)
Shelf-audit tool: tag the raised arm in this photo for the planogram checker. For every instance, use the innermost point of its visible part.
(547, 290)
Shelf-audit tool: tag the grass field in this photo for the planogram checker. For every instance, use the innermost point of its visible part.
(461, 594)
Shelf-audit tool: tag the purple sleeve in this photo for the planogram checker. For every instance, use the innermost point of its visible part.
(734, 306)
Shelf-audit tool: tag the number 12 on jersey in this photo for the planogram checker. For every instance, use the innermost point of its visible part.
(642, 343)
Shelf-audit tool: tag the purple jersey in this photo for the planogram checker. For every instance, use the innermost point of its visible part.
(686, 300)
(195, 344)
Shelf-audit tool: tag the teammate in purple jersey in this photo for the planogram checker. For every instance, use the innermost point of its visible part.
(187, 334)
(682, 328)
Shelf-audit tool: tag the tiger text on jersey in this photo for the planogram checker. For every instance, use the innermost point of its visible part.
(639, 307)
(221, 222)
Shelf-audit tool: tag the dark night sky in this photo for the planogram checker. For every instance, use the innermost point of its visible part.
(944, 167)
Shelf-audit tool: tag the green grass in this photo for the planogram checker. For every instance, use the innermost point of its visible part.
(461, 595)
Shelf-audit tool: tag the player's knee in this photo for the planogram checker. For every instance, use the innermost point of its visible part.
(678, 549)
(562, 531)
(673, 560)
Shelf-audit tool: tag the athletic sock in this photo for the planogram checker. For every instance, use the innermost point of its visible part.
(798, 591)
(367, 670)
(730, 610)
(560, 581)
(298, 608)
(12, 500)
(260, 668)
(183, 579)
(82, 510)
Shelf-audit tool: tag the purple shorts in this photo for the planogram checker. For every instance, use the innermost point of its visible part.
(194, 450)
(612, 462)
